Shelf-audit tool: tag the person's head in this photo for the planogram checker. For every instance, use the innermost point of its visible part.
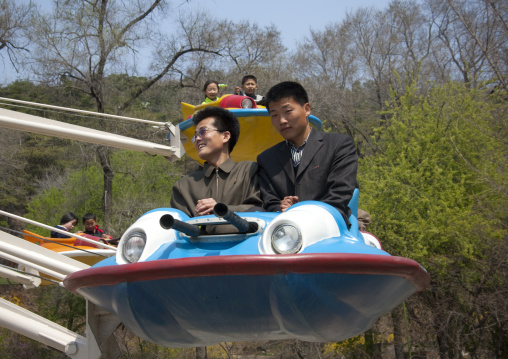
(211, 89)
(249, 85)
(217, 130)
(289, 109)
(287, 89)
(89, 221)
(69, 220)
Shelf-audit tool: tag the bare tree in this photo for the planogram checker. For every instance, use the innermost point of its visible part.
(248, 46)
(486, 21)
(475, 32)
(13, 24)
(88, 40)
(329, 56)
(376, 43)
(201, 353)
(245, 48)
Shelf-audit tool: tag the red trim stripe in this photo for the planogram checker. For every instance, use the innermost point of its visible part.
(346, 263)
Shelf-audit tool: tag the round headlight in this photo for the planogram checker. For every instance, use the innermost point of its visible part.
(246, 103)
(133, 246)
(286, 239)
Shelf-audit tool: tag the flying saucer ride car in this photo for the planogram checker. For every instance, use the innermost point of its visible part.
(301, 274)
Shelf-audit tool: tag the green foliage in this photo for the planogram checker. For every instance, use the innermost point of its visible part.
(420, 188)
(436, 194)
(28, 158)
(26, 90)
(142, 182)
(62, 307)
(65, 94)
(353, 348)
(120, 88)
(27, 162)
(46, 208)
(80, 193)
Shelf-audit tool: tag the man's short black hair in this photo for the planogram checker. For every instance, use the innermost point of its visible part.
(287, 89)
(88, 216)
(224, 120)
(249, 77)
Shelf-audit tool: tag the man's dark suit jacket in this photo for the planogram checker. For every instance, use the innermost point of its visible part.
(327, 172)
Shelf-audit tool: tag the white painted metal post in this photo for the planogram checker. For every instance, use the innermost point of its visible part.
(33, 255)
(31, 325)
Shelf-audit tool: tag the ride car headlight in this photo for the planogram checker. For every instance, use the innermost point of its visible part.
(286, 239)
(134, 246)
(246, 103)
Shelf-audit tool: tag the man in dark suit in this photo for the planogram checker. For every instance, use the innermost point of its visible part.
(308, 165)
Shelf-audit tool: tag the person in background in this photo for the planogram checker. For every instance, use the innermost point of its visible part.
(363, 219)
(211, 90)
(220, 179)
(308, 164)
(67, 223)
(91, 227)
(249, 88)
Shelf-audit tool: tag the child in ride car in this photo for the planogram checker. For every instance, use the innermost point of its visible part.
(67, 223)
(91, 227)
(211, 90)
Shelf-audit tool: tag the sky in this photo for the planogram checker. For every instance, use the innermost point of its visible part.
(293, 18)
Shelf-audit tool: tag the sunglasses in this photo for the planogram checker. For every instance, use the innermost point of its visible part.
(201, 132)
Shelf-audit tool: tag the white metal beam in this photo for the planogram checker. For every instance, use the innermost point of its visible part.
(24, 122)
(27, 280)
(68, 109)
(44, 260)
(31, 325)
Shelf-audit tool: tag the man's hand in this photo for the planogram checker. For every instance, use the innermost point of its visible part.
(205, 206)
(287, 202)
